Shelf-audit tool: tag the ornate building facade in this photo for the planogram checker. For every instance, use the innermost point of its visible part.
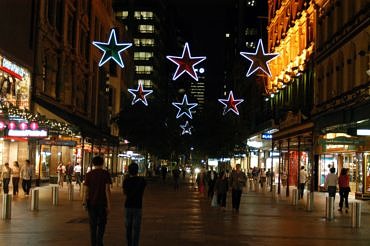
(341, 98)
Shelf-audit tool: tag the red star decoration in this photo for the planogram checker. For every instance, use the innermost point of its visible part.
(230, 103)
(140, 94)
(185, 63)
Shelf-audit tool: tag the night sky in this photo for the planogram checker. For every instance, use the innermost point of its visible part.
(204, 24)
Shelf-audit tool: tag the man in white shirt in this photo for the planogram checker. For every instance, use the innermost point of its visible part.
(77, 171)
(302, 182)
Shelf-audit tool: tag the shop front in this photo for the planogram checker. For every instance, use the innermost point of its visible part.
(341, 150)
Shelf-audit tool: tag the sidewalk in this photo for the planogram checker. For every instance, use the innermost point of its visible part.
(184, 218)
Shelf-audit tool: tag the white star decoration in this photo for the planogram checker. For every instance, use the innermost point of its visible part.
(140, 94)
(185, 63)
(186, 129)
(112, 49)
(231, 103)
(259, 59)
(184, 107)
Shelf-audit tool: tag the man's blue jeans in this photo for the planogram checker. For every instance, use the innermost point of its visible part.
(133, 224)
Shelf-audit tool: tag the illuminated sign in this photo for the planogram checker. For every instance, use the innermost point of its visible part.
(12, 69)
(266, 136)
(28, 133)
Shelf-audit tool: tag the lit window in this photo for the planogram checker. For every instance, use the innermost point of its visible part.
(122, 14)
(144, 15)
(143, 69)
(143, 55)
(227, 35)
(146, 28)
(147, 83)
(143, 42)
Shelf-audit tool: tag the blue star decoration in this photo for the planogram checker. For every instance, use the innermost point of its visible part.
(259, 59)
(184, 107)
(230, 103)
(186, 129)
(140, 94)
(112, 49)
(185, 63)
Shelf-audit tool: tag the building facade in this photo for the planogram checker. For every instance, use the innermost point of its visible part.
(341, 98)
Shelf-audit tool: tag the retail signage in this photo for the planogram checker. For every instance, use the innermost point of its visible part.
(69, 143)
(12, 69)
(266, 136)
(340, 140)
(27, 133)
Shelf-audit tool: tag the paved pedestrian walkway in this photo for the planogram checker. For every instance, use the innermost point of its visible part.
(182, 218)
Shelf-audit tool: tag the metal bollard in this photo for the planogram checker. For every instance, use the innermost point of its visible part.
(329, 208)
(356, 214)
(70, 192)
(55, 194)
(309, 202)
(294, 197)
(34, 199)
(274, 191)
(7, 207)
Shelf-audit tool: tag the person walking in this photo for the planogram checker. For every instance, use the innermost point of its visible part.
(238, 180)
(176, 177)
(77, 171)
(133, 188)
(302, 182)
(26, 176)
(97, 200)
(15, 177)
(211, 181)
(69, 172)
(5, 176)
(61, 169)
(221, 188)
(331, 182)
(344, 189)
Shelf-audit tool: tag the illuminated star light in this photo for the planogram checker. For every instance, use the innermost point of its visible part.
(186, 129)
(259, 59)
(112, 49)
(184, 107)
(185, 63)
(231, 103)
(140, 94)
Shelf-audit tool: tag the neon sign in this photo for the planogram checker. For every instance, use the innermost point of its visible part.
(13, 69)
(27, 133)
